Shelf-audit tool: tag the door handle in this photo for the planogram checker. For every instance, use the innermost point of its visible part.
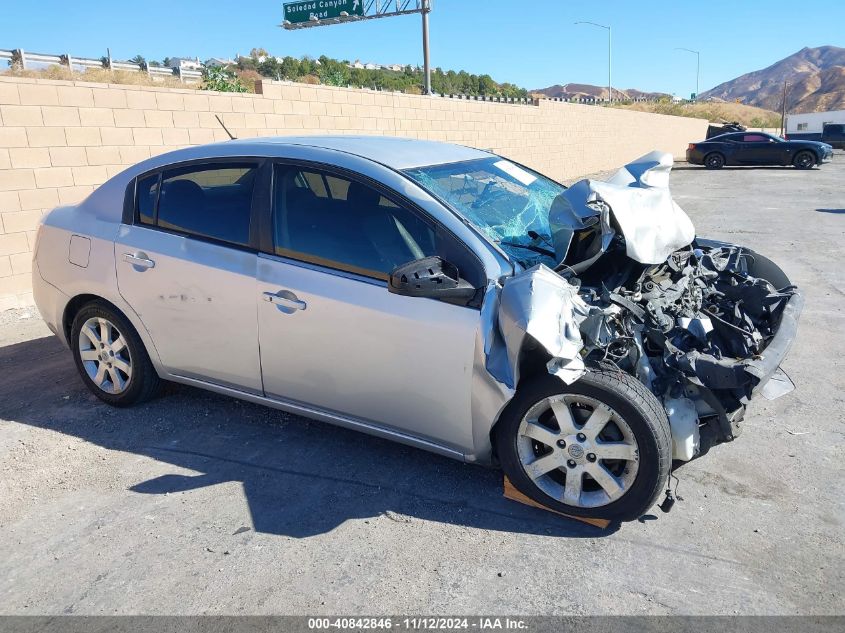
(287, 302)
(139, 260)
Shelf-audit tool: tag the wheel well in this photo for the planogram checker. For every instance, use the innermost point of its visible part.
(713, 152)
(533, 360)
(809, 151)
(76, 304)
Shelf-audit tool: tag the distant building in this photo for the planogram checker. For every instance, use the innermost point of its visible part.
(185, 63)
(214, 62)
(812, 122)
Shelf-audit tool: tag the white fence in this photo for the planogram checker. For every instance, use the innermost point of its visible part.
(26, 60)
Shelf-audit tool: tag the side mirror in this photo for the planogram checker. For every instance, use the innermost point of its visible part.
(430, 277)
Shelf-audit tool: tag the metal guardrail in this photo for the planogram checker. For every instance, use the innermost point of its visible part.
(596, 100)
(25, 59)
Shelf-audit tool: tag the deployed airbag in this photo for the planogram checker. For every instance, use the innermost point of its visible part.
(637, 200)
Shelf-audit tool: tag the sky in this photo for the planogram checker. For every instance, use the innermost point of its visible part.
(532, 43)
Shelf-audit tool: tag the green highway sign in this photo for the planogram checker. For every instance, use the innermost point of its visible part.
(311, 10)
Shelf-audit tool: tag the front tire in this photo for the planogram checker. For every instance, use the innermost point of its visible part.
(804, 160)
(600, 447)
(111, 357)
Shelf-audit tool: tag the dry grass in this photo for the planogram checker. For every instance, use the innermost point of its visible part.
(713, 111)
(101, 76)
(247, 77)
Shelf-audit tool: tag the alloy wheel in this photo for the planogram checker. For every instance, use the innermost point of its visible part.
(578, 450)
(105, 355)
(804, 160)
(715, 161)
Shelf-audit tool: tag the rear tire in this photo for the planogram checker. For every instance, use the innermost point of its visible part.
(804, 160)
(714, 160)
(639, 434)
(111, 357)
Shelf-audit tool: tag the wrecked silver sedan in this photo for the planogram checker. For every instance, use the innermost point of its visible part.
(436, 295)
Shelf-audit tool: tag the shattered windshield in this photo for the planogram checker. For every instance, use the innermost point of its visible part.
(509, 203)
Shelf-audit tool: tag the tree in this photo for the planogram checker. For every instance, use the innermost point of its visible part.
(334, 72)
(245, 63)
(290, 68)
(359, 77)
(333, 75)
(486, 85)
(139, 59)
(307, 66)
(270, 67)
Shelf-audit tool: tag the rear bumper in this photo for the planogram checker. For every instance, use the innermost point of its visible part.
(694, 157)
(50, 301)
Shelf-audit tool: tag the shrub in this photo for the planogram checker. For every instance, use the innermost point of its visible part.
(221, 80)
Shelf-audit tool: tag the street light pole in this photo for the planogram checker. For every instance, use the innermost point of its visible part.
(426, 9)
(697, 67)
(609, 57)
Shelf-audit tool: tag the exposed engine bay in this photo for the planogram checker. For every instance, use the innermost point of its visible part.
(704, 325)
(692, 329)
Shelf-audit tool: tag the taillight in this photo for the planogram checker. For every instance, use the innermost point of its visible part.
(691, 146)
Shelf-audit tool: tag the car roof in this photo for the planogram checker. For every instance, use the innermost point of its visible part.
(394, 152)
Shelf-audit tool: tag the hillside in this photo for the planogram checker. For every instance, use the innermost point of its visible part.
(241, 74)
(713, 111)
(816, 78)
(575, 91)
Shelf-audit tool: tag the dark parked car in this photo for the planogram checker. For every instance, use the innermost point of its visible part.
(832, 133)
(757, 148)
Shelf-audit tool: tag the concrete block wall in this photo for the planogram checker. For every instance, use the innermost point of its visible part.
(60, 139)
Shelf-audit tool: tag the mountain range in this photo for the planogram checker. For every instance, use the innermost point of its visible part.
(815, 81)
(576, 91)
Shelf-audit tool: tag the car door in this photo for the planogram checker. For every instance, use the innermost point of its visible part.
(186, 264)
(331, 335)
(759, 149)
(730, 146)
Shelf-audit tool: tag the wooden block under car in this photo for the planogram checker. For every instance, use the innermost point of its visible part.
(515, 495)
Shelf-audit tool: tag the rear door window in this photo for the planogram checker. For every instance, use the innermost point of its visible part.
(210, 201)
(147, 198)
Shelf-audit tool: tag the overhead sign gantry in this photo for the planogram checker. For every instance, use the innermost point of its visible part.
(310, 13)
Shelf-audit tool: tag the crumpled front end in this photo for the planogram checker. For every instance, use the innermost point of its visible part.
(703, 332)
(704, 325)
